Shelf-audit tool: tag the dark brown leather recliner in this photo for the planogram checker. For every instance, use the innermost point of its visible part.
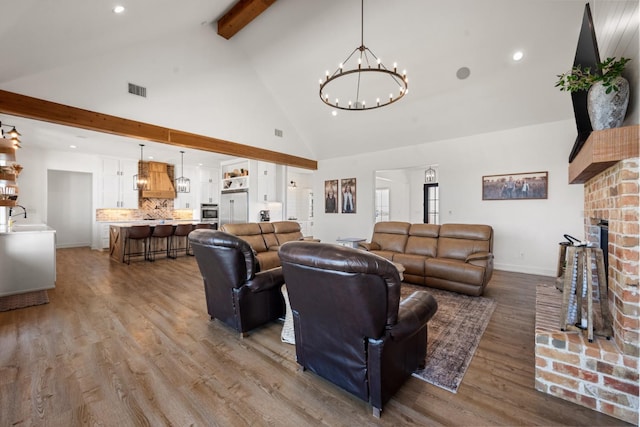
(350, 327)
(235, 293)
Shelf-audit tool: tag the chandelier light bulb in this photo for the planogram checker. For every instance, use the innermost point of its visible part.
(378, 101)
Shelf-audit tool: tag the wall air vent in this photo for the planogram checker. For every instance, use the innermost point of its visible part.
(279, 133)
(138, 90)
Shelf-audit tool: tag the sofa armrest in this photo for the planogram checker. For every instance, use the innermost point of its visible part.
(309, 239)
(266, 280)
(415, 311)
(369, 246)
(479, 256)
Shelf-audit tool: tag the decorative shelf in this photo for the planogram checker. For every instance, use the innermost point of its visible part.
(603, 149)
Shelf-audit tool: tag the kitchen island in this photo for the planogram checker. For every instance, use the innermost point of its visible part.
(118, 235)
(28, 261)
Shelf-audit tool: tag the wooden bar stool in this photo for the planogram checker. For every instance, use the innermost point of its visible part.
(140, 233)
(160, 231)
(180, 233)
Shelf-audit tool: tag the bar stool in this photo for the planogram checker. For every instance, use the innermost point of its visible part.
(160, 231)
(138, 233)
(180, 233)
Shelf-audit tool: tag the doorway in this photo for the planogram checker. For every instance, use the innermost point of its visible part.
(69, 207)
(431, 204)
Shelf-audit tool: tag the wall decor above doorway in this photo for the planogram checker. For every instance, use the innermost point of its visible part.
(527, 185)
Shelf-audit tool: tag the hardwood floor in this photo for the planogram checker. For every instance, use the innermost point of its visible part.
(133, 345)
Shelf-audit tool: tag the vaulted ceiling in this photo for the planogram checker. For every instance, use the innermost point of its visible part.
(265, 77)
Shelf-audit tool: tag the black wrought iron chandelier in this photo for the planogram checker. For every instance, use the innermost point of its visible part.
(141, 180)
(183, 185)
(11, 134)
(362, 82)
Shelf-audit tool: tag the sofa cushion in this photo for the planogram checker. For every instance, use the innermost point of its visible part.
(413, 267)
(454, 271)
(458, 241)
(391, 235)
(249, 232)
(269, 235)
(423, 240)
(287, 231)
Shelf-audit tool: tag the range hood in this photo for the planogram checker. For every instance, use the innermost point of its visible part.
(160, 181)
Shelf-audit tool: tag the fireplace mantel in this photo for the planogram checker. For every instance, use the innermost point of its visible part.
(603, 149)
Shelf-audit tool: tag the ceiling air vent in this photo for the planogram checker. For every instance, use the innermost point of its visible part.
(279, 133)
(138, 90)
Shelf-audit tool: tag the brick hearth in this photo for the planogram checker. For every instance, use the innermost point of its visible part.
(602, 375)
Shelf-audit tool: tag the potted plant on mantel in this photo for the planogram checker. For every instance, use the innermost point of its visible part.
(608, 91)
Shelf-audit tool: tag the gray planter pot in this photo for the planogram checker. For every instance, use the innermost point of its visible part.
(607, 110)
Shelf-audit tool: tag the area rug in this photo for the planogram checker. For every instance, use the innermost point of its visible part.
(454, 333)
(27, 299)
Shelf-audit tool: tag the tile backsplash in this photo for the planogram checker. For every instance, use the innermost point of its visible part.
(148, 209)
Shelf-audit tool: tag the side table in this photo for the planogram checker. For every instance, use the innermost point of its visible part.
(351, 242)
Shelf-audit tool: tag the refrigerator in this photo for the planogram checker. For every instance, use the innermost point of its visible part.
(234, 207)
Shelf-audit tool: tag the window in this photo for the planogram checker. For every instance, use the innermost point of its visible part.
(431, 204)
(382, 204)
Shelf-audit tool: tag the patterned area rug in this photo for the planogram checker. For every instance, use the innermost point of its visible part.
(454, 333)
(12, 302)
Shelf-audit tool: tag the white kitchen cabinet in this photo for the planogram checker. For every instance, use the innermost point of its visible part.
(187, 200)
(117, 183)
(266, 174)
(209, 187)
(104, 235)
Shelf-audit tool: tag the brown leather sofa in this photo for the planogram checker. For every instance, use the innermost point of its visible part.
(236, 294)
(369, 352)
(266, 238)
(454, 257)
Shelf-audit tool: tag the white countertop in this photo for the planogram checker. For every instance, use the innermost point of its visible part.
(25, 228)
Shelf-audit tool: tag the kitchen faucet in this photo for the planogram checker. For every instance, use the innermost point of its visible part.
(24, 210)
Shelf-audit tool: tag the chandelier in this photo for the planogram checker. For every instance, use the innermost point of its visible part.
(363, 81)
(183, 185)
(12, 134)
(141, 180)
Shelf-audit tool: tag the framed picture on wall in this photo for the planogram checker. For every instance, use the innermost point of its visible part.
(348, 199)
(528, 185)
(331, 196)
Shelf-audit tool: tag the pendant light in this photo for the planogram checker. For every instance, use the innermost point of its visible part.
(183, 185)
(140, 180)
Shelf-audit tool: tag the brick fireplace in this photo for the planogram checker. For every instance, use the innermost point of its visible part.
(603, 374)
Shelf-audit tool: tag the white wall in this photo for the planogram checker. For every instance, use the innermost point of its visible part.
(527, 232)
(33, 183)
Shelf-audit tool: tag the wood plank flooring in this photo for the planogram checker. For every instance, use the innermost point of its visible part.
(133, 345)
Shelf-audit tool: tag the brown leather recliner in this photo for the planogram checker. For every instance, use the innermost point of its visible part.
(235, 293)
(350, 327)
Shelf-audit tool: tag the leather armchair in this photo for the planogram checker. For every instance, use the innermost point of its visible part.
(350, 327)
(236, 294)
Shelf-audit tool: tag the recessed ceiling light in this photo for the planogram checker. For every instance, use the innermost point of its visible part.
(518, 55)
(150, 157)
(334, 113)
(118, 9)
(72, 146)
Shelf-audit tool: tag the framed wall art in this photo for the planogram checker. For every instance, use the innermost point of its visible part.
(331, 196)
(348, 199)
(528, 185)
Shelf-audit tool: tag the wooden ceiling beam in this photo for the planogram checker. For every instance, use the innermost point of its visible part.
(240, 15)
(47, 111)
